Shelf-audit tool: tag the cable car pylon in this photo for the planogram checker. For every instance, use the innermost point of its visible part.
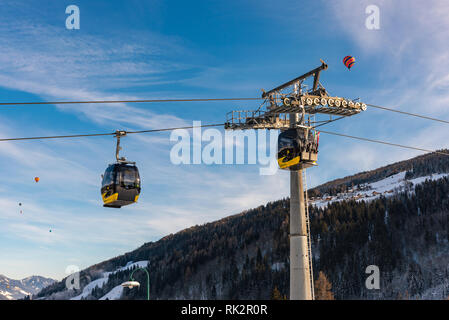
(300, 280)
(285, 108)
(309, 235)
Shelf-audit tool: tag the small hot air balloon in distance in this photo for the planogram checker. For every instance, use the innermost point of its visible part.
(36, 179)
(349, 62)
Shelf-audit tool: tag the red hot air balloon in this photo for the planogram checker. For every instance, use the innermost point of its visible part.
(36, 179)
(349, 61)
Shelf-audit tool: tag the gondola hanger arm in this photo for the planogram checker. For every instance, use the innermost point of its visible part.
(118, 135)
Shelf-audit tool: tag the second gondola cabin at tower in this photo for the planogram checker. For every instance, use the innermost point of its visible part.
(297, 148)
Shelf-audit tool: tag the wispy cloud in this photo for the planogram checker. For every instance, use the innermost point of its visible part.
(411, 45)
(51, 63)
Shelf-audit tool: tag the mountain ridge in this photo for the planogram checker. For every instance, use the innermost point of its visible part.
(245, 256)
(11, 289)
(416, 166)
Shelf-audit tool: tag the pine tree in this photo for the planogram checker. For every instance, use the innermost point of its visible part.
(276, 295)
(404, 296)
(213, 294)
(323, 288)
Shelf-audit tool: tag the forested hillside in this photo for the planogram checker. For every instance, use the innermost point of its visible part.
(246, 256)
(416, 167)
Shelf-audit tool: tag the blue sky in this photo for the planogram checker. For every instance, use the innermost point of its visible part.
(201, 49)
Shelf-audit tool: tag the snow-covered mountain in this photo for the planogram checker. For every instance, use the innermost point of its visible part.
(369, 191)
(395, 217)
(11, 289)
(116, 292)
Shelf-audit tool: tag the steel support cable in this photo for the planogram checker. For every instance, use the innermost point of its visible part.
(126, 101)
(196, 100)
(213, 125)
(329, 121)
(170, 129)
(408, 113)
(384, 142)
(108, 134)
